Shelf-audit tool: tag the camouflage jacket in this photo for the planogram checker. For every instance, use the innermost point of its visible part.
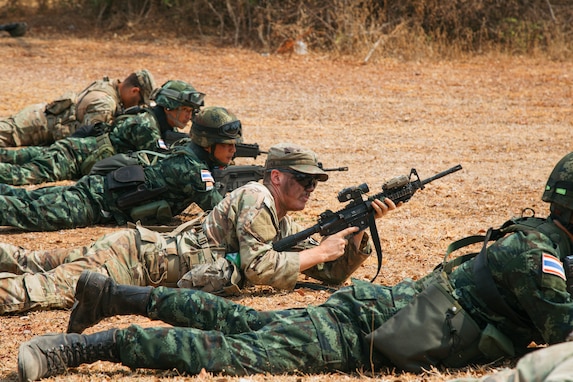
(526, 267)
(246, 222)
(99, 102)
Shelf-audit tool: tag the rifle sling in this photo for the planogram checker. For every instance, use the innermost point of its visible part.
(376, 241)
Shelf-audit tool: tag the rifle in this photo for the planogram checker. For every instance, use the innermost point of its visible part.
(229, 178)
(248, 150)
(359, 212)
(15, 29)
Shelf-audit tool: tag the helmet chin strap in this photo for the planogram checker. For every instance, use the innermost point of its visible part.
(175, 121)
(563, 215)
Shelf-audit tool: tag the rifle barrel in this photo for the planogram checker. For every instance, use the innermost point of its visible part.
(442, 174)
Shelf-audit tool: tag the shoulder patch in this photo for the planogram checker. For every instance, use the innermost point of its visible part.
(207, 178)
(551, 265)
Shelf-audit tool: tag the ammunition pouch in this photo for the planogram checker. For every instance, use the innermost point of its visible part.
(114, 162)
(433, 329)
(126, 177)
(62, 104)
(104, 150)
(222, 277)
(61, 116)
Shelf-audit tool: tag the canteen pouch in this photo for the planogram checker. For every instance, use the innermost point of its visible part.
(432, 329)
(157, 211)
(128, 176)
(494, 344)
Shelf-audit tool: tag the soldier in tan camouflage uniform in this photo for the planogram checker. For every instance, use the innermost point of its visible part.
(233, 242)
(42, 124)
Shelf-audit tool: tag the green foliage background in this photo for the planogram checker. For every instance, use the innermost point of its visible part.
(402, 28)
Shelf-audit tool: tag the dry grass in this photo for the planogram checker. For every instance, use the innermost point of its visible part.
(506, 120)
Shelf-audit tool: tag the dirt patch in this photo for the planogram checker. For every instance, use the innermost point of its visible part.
(507, 121)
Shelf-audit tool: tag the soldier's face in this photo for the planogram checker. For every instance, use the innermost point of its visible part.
(294, 195)
(224, 152)
(179, 117)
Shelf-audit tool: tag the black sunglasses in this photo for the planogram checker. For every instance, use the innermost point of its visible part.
(305, 180)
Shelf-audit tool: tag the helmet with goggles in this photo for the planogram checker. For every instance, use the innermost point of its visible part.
(215, 124)
(177, 93)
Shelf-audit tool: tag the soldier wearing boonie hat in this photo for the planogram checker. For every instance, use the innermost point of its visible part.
(296, 158)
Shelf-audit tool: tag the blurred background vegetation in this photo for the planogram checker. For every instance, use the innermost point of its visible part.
(405, 29)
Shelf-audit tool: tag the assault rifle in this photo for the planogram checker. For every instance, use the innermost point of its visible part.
(248, 150)
(229, 178)
(359, 212)
(15, 29)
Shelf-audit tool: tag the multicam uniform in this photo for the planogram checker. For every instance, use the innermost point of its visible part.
(71, 158)
(163, 190)
(221, 336)
(47, 279)
(551, 364)
(42, 124)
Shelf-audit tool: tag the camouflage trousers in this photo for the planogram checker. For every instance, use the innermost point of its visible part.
(31, 126)
(54, 208)
(37, 164)
(32, 280)
(224, 337)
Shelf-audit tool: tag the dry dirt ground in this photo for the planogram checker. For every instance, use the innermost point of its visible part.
(506, 120)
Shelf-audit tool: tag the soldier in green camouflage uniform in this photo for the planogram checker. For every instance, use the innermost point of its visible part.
(194, 255)
(153, 193)
(42, 124)
(212, 333)
(139, 129)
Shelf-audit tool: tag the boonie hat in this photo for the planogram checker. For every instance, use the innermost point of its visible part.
(296, 158)
(147, 83)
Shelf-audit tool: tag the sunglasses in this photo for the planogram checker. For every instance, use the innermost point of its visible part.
(308, 182)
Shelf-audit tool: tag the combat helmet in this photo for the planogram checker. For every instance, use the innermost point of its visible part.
(215, 124)
(559, 190)
(176, 93)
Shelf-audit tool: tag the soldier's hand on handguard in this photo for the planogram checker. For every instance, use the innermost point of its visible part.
(381, 208)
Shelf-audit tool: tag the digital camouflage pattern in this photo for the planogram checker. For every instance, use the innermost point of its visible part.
(220, 336)
(43, 123)
(551, 364)
(559, 187)
(64, 159)
(246, 222)
(183, 176)
(215, 124)
(177, 93)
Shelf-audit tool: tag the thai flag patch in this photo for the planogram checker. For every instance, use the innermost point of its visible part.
(552, 265)
(208, 179)
(206, 176)
(161, 144)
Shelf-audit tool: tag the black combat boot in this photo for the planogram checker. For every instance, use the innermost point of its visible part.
(98, 297)
(52, 354)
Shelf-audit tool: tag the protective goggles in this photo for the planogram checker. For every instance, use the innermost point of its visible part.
(307, 181)
(197, 99)
(231, 130)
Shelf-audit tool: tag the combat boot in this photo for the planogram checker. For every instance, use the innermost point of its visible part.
(52, 354)
(98, 297)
